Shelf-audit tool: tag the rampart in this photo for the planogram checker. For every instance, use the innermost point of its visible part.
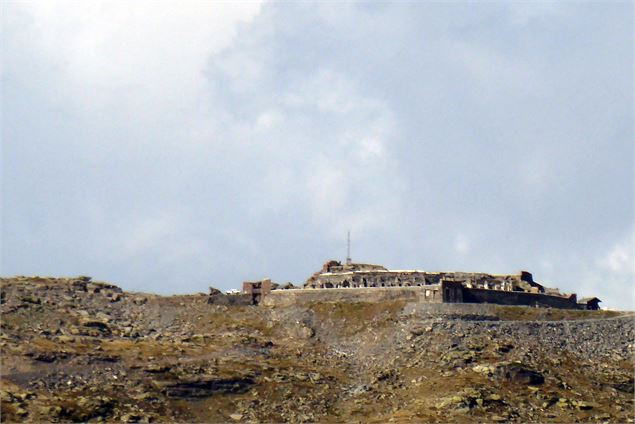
(364, 275)
(448, 293)
(518, 298)
(420, 294)
(358, 282)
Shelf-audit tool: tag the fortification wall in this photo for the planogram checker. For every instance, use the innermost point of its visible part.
(417, 294)
(392, 278)
(517, 298)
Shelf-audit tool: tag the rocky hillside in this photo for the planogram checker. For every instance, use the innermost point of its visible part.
(76, 350)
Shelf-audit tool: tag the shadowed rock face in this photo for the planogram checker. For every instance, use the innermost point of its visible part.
(77, 350)
(205, 388)
(519, 373)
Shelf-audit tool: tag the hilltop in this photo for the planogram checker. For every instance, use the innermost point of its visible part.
(77, 350)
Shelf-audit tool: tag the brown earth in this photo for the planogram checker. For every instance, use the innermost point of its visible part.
(76, 350)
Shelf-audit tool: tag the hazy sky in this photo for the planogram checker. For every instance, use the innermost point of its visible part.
(167, 147)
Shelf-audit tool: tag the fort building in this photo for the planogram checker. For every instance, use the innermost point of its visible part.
(590, 303)
(257, 290)
(349, 280)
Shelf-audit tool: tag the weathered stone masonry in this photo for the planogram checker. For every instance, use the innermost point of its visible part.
(373, 283)
(336, 275)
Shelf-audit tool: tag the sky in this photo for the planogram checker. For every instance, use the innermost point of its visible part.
(171, 146)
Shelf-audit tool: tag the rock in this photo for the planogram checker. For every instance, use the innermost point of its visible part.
(103, 317)
(301, 377)
(484, 369)
(87, 408)
(50, 411)
(188, 350)
(100, 326)
(156, 368)
(519, 373)
(304, 332)
(47, 357)
(198, 338)
(132, 418)
(504, 348)
(458, 358)
(160, 384)
(31, 299)
(581, 405)
(6, 396)
(219, 298)
(207, 387)
(563, 403)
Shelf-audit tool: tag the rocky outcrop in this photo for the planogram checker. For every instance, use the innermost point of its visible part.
(78, 350)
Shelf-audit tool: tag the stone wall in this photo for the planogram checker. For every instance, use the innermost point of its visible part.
(230, 299)
(450, 292)
(415, 294)
(394, 278)
(257, 290)
(518, 298)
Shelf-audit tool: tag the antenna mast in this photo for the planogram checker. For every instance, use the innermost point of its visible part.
(348, 248)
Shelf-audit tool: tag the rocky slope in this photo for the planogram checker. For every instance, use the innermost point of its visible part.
(76, 350)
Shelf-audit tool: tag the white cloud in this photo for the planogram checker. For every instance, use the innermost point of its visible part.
(235, 140)
(268, 120)
(146, 234)
(461, 244)
(523, 14)
(619, 260)
(142, 58)
(134, 42)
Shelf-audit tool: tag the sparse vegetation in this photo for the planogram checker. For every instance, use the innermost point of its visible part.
(179, 358)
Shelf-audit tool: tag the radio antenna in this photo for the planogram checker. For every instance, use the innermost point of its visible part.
(348, 248)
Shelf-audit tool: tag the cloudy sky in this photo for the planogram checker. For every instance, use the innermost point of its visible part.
(167, 147)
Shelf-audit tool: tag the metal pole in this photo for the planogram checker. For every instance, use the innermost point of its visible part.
(348, 248)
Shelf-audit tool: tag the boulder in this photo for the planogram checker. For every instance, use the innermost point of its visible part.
(519, 373)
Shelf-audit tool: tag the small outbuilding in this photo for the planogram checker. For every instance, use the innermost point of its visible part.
(590, 303)
(257, 290)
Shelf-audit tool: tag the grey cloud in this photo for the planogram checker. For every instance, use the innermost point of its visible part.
(488, 138)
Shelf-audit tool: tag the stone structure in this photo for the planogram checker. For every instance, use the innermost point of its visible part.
(446, 287)
(374, 283)
(432, 295)
(590, 303)
(257, 289)
(335, 275)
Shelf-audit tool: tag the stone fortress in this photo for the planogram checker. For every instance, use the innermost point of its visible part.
(368, 282)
